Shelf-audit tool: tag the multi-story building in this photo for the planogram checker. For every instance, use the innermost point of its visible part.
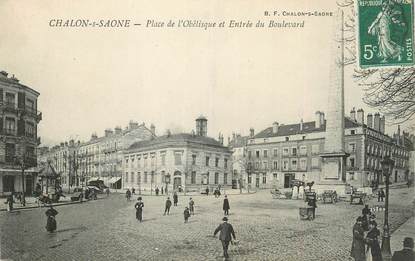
(18, 134)
(187, 161)
(63, 158)
(238, 146)
(99, 158)
(282, 153)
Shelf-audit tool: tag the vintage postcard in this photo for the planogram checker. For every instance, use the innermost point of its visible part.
(207, 130)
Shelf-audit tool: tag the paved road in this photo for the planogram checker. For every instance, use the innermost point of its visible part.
(267, 229)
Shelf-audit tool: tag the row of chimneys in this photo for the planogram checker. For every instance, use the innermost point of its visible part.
(71, 143)
(3, 74)
(373, 121)
(118, 130)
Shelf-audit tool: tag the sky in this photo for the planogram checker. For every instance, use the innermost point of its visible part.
(91, 79)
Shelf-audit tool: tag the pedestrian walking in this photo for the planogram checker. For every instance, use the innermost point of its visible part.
(165, 190)
(225, 236)
(9, 202)
(192, 206)
(108, 192)
(186, 214)
(407, 253)
(365, 214)
(133, 191)
(226, 206)
(175, 199)
(358, 244)
(51, 220)
(128, 194)
(168, 205)
(381, 195)
(157, 191)
(139, 209)
(372, 240)
(162, 190)
(207, 191)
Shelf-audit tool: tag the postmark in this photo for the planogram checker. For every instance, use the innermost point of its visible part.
(385, 33)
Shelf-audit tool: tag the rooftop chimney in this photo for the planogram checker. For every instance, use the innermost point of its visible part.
(108, 132)
(251, 132)
(3, 74)
(370, 120)
(382, 124)
(353, 114)
(376, 121)
(14, 78)
(317, 119)
(118, 130)
(133, 125)
(360, 116)
(153, 129)
(93, 136)
(322, 118)
(275, 127)
(301, 125)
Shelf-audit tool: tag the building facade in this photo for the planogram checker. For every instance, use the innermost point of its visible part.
(18, 133)
(178, 161)
(282, 153)
(99, 158)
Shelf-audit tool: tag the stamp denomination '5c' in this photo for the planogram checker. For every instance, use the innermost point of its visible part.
(385, 36)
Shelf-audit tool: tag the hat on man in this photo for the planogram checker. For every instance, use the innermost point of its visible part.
(225, 219)
(408, 242)
(139, 198)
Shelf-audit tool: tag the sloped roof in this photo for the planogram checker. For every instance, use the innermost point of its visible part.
(308, 127)
(177, 138)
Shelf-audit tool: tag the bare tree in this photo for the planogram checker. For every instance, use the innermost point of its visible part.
(391, 90)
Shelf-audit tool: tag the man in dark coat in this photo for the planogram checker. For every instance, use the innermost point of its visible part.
(407, 253)
(226, 231)
(207, 191)
(168, 205)
(175, 198)
(226, 206)
(358, 244)
(10, 201)
(365, 214)
(312, 202)
(192, 206)
(157, 191)
(139, 209)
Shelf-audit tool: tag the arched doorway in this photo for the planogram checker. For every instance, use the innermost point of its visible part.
(177, 180)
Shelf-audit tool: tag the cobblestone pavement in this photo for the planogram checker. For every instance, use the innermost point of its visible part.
(267, 229)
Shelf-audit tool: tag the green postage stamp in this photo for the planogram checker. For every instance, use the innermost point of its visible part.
(385, 36)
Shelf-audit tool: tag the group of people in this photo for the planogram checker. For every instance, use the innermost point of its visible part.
(225, 229)
(366, 237)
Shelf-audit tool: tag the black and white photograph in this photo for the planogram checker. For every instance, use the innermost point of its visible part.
(207, 130)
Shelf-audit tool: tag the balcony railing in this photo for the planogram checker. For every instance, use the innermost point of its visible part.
(9, 131)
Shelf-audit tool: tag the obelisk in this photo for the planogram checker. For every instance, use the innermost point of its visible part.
(333, 173)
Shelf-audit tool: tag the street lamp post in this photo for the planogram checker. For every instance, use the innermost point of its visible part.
(387, 166)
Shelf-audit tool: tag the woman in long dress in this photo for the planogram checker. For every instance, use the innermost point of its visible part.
(388, 49)
(372, 241)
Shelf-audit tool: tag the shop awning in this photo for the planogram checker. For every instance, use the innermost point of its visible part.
(114, 180)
